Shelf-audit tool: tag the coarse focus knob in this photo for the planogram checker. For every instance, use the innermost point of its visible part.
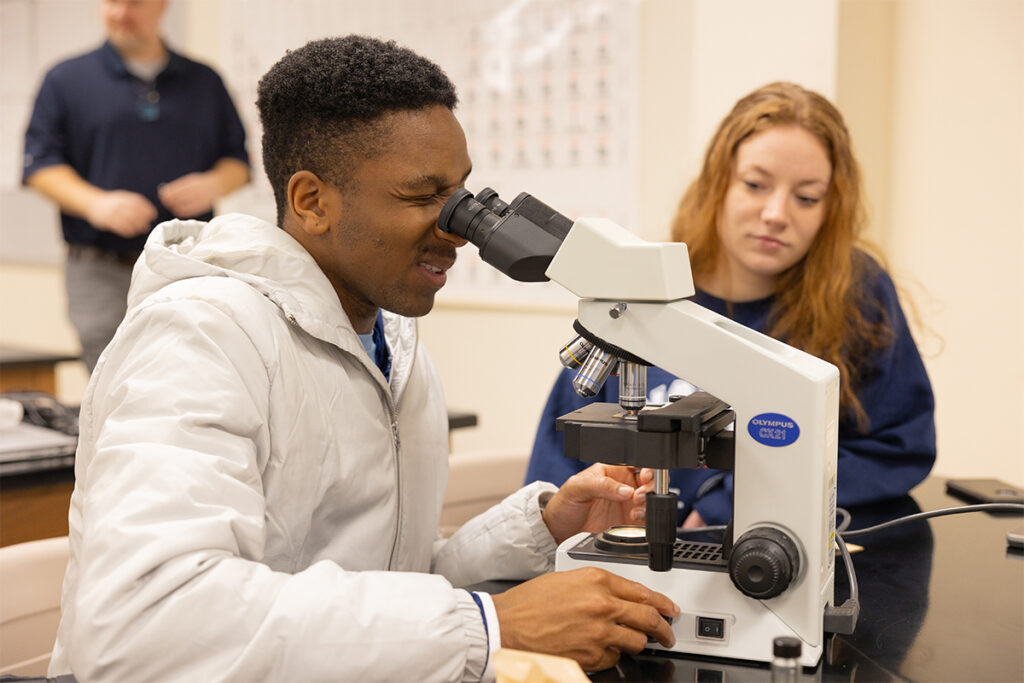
(763, 562)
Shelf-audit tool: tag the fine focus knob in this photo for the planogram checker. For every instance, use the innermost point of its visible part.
(763, 562)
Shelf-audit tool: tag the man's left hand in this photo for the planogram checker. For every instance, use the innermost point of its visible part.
(190, 195)
(597, 498)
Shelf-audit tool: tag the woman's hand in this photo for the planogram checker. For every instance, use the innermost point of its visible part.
(694, 521)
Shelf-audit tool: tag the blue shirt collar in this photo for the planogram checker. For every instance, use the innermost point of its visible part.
(376, 346)
(113, 62)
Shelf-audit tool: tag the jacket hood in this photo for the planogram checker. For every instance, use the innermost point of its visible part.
(255, 252)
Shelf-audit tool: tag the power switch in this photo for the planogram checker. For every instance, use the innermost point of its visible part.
(710, 627)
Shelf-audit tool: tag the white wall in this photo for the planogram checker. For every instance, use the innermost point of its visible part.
(932, 90)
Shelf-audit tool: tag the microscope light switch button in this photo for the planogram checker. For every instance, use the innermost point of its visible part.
(710, 627)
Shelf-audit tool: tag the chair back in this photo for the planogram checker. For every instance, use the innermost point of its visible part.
(31, 575)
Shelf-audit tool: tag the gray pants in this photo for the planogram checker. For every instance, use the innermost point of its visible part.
(97, 284)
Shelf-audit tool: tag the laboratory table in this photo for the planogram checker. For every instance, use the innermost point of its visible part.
(941, 600)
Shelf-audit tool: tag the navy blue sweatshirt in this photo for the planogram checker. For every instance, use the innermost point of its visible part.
(893, 455)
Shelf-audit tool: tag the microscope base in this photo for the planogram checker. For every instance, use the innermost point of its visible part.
(716, 620)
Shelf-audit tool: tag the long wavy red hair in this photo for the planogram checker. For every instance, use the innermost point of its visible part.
(818, 306)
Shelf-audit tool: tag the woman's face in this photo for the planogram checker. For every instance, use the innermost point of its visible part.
(772, 210)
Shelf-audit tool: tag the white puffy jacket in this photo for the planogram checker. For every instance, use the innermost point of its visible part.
(254, 501)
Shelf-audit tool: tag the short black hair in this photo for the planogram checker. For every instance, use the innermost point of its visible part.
(319, 105)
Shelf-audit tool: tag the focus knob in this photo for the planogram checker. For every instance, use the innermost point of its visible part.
(763, 562)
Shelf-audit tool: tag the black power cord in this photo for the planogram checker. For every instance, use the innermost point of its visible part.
(843, 618)
(980, 507)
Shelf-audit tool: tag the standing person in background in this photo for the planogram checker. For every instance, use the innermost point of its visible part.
(773, 224)
(122, 138)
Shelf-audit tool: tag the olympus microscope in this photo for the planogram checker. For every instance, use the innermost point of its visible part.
(766, 411)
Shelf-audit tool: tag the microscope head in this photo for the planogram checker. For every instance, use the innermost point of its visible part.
(519, 239)
(594, 258)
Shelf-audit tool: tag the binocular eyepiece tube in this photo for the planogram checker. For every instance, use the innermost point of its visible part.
(518, 238)
(464, 216)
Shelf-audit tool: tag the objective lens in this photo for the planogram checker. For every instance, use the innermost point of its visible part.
(464, 216)
(575, 352)
(632, 386)
(594, 372)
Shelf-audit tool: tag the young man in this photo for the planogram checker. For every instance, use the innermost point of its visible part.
(263, 448)
(122, 138)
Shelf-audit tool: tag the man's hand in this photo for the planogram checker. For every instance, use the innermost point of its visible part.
(190, 195)
(125, 213)
(597, 498)
(587, 614)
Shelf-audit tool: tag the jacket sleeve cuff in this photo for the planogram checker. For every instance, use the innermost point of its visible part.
(541, 494)
(478, 656)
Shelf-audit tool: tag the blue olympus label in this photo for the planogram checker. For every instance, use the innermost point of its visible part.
(773, 429)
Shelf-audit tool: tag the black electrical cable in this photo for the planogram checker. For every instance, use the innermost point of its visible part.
(981, 507)
(843, 619)
(845, 518)
(842, 525)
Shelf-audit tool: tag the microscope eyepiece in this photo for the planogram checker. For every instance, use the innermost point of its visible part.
(489, 198)
(519, 239)
(463, 215)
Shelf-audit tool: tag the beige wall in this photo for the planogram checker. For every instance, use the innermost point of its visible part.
(957, 217)
(933, 93)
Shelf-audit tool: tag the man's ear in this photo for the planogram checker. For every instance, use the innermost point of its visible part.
(312, 201)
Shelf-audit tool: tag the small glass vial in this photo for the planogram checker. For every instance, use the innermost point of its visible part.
(786, 659)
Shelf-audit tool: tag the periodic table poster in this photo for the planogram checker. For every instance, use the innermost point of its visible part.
(547, 88)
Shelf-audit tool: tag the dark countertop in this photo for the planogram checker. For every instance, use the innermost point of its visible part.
(941, 600)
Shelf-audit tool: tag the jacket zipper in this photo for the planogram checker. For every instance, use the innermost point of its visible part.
(398, 459)
(398, 488)
(392, 405)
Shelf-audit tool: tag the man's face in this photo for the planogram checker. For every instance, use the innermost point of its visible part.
(132, 23)
(385, 249)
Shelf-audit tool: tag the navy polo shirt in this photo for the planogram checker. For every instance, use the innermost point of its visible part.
(120, 132)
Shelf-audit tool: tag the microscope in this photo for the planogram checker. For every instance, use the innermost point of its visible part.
(766, 411)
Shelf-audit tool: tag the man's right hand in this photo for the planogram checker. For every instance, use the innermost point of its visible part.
(125, 213)
(587, 614)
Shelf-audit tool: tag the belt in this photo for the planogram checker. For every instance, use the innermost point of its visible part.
(94, 253)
